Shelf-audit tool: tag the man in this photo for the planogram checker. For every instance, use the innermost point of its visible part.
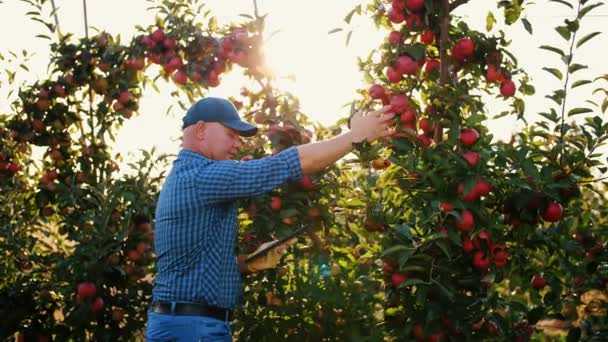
(198, 281)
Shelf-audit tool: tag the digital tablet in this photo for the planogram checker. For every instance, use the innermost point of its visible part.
(263, 252)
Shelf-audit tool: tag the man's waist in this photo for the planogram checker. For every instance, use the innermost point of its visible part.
(192, 309)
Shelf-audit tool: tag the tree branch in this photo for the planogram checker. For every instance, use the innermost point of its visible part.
(443, 57)
(55, 16)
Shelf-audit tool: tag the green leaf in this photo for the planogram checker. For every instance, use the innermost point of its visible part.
(588, 9)
(335, 30)
(402, 145)
(579, 83)
(564, 32)
(490, 21)
(512, 13)
(586, 38)
(444, 248)
(288, 212)
(412, 281)
(527, 89)
(553, 49)
(529, 168)
(245, 15)
(579, 110)
(527, 25)
(554, 72)
(394, 249)
(348, 36)
(416, 51)
(212, 24)
(536, 314)
(576, 67)
(349, 16)
(443, 289)
(605, 105)
(563, 2)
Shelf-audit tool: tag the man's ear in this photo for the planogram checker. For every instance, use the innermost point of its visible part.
(200, 127)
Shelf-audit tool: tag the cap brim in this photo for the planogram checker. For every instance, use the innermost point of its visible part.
(244, 129)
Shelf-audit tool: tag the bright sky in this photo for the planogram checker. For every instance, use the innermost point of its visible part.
(325, 69)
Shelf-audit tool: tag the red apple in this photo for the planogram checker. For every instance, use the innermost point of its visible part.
(427, 37)
(117, 106)
(395, 16)
(306, 183)
(259, 118)
(426, 126)
(408, 116)
(180, 77)
(500, 259)
(398, 5)
(467, 245)
(170, 43)
(394, 38)
(213, 79)
(393, 75)
(86, 289)
(288, 220)
(314, 212)
(414, 5)
(142, 247)
(468, 197)
(467, 221)
(376, 92)
(406, 65)
(431, 64)
(418, 331)
(482, 188)
(97, 304)
(133, 255)
(124, 97)
(481, 262)
(471, 157)
(507, 88)
(43, 94)
(398, 278)
(275, 202)
(425, 140)
(158, 35)
(59, 90)
(493, 74)
(468, 136)
(553, 212)
(399, 103)
(538, 282)
(463, 49)
(240, 36)
(446, 206)
(43, 104)
(414, 22)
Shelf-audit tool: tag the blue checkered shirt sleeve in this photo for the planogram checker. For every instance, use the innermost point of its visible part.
(228, 180)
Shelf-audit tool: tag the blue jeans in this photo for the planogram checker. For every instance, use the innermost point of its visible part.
(174, 328)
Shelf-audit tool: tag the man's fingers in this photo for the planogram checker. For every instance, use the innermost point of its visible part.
(388, 116)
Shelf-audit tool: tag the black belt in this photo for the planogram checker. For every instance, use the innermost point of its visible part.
(191, 309)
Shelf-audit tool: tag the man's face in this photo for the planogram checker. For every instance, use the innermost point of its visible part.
(222, 143)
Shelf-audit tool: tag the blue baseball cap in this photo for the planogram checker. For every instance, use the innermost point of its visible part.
(215, 109)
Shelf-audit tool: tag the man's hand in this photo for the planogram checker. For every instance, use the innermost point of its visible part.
(272, 257)
(371, 126)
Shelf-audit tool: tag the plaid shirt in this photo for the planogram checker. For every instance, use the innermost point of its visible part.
(196, 224)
